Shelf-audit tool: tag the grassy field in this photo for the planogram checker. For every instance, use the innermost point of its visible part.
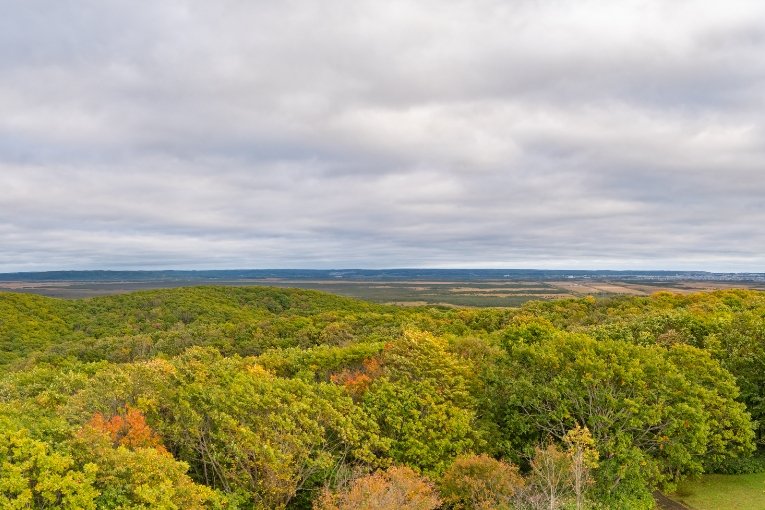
(723, 492)
(479, 292)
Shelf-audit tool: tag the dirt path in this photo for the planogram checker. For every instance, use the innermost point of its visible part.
(664, 503)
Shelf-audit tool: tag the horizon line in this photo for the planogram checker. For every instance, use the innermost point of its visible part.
(402, 268)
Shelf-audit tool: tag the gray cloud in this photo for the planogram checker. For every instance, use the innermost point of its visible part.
(377, 134)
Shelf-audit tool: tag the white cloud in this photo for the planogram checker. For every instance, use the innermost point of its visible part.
(483, 133)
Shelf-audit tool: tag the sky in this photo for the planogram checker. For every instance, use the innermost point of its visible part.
(582, 134)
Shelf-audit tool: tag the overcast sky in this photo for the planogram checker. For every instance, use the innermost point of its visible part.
(337, 133)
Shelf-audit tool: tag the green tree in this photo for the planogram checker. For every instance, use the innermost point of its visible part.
(422, 403)
(32, 475)
(652, 420)
(244, 430)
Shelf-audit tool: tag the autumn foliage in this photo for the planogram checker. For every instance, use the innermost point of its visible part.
(286, 399)
(480, 482)
(356, 382)
(127, 429)
(397, 488)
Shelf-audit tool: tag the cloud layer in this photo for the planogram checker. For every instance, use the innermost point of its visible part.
(482, 133)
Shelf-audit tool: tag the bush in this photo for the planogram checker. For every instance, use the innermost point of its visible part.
(739, 465)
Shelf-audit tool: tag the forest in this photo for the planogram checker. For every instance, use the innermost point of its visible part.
(266, 398)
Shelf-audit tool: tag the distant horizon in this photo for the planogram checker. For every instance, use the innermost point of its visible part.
(380, 269)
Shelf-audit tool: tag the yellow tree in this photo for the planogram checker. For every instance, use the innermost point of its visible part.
(397, 488)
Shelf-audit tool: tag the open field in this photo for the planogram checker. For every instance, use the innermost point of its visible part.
(723, 492)
(406, 287)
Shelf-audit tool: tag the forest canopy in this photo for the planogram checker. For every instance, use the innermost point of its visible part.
(222, 397)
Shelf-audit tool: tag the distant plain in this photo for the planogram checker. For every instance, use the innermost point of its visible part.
(444, 288)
